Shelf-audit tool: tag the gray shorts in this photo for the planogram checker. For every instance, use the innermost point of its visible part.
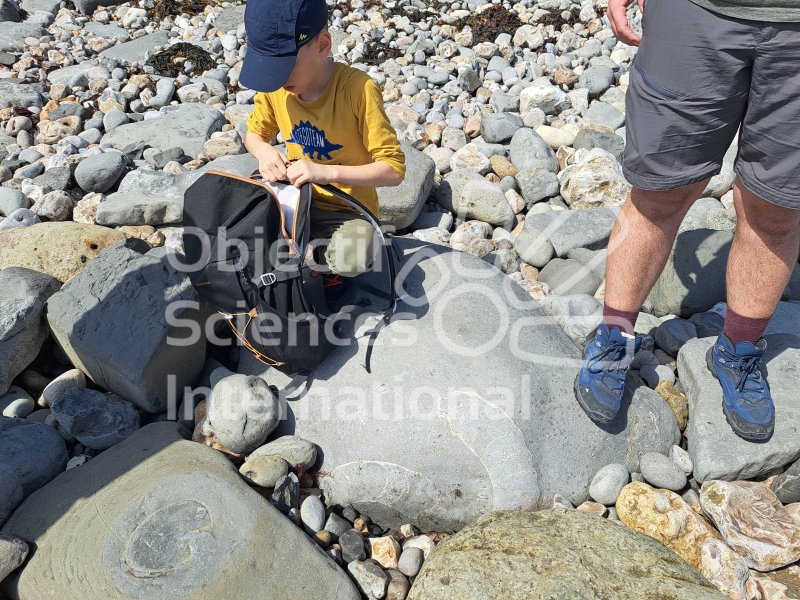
(697, 77)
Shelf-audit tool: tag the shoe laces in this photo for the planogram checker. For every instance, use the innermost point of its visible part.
(614, 368)
(749, 373)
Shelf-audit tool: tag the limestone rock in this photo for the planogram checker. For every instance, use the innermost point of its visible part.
(470, 196)
(727, 571)
(23, 329)
(594, 180)
(123, 295)
(400, 205)
(664, 515)
(753, 522)
(95, 529)
(58, 249)
(554, 552)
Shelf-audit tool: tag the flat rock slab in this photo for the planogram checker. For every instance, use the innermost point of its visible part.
(136, 50)
(155, 197)
(469, 407)
(14, 93)
(66, 74)
(116, 319)
(12, 35)
(555, 553)
(163, 518)
(23, 328)
(230, 18)
(106, 30)
(717, 452)
(188, 127)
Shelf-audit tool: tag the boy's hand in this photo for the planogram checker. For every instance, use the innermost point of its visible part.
(272, 164)
(305, 171)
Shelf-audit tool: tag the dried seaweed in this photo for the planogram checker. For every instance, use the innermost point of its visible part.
(166, 8)
(169, 62)
(486, 26)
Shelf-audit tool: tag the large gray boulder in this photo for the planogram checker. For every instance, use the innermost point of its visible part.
(469, 406)
(136, 50)
(693, 279)
(23, 329)
(552, 554)
(528, 149)
(163, 518)
(156, 197)
(14, 93)
(187, 127)
(124, 321)
(12, 35)
(33, 454)
(716, 451)
(401, 204)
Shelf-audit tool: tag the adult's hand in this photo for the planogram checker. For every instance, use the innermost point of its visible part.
(617, 14)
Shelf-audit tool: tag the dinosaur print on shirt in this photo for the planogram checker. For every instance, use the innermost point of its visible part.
(312, 140)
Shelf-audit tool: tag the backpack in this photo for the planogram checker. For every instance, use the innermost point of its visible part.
(245, 243)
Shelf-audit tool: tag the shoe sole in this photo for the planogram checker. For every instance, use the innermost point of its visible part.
(746, 431)
(586, 401)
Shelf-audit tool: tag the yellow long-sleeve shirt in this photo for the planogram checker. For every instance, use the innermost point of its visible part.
(346, 125)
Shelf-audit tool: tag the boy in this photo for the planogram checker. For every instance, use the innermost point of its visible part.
(332, 119)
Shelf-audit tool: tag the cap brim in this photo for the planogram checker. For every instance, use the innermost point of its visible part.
(264, 73)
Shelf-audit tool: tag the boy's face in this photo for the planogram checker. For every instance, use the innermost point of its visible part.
(309, 65)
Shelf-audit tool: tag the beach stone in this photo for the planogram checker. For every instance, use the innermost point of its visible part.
(568, 230)
(33, 454)
(588, 138)
(385, 551)
(497, 128)
(16, 403)
(547, 98)
(608, 483)
(410, 561)
(604, 115)
(292, 449)
(286, 495)
(554, 549)
(312, 513)
(662, 472)
(676, 400)
(594, 180)
(352, 544)
(187, 127)
(533, 245)
(753, 522)
(14, 93)
(20, 218)
(60, 385)
(156, 485)
(54, 206)
(596, 80)
(371, 579)
(23, 329)
(467, 194)
(241, 412)
(96, 420)
(12, 34)
(124, 291)
(569, 276)
(681, 458)
(727, 571)
(13, 552)
(536, 184)
(461, 404)
(663, 515)
(783, 584)
(672, 334)
(400, 205)
(716, 451)
(787, 485)
(99, 173)
(470, 158)
(693, 280)
(136, 50)
(527, 149)
(11, 200)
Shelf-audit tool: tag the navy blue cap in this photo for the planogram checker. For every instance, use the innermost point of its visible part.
(276, 30)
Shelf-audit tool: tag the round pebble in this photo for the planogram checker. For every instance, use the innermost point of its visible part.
(662, 472)
(608, 483)
(312, 514)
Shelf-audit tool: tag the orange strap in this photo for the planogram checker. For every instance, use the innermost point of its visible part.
(255, 352)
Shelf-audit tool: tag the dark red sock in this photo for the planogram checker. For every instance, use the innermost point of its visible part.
(744, 329)
(625, 320)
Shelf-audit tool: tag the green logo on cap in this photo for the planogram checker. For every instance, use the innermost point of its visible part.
(303, 37)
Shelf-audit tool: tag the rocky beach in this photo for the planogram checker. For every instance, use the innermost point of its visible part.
(139, 462)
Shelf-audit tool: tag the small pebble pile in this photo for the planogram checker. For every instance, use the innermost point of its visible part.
(513, 121)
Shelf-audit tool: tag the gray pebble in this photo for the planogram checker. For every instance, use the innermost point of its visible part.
(662, 472)
(17, 403)
(410, 562)
(312, 514)
(608, 483)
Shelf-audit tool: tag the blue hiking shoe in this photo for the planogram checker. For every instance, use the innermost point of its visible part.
(600, 383)
(746, 398)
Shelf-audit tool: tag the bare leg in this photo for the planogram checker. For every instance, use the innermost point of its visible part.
(763, 254)
(641, 242)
